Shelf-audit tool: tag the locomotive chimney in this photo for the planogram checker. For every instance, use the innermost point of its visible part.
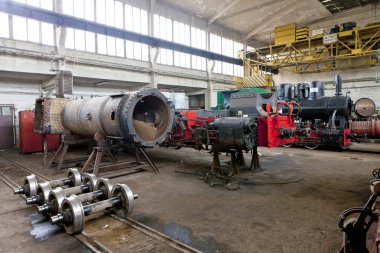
(338, 85)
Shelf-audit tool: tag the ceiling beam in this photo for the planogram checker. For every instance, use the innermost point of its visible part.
(225, 7)
(253, 8)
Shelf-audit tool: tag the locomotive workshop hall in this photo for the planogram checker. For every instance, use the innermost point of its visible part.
(215, 126)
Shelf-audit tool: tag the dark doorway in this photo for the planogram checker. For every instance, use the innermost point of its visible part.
(197, 101)
(7, 140)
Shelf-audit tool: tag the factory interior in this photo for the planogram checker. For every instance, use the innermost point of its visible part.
(213, 126)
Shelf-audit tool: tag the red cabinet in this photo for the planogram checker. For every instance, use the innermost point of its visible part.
(29, 140)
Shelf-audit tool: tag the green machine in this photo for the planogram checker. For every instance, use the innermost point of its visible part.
(224, 97)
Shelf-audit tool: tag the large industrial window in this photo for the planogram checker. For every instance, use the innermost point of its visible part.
(167, 29)
(198, 40)
(181, 35)
(163, 29)
(136, 20)
(112, 13)
(226, 47)
(29, 29)
(4, 27)
(124, 16)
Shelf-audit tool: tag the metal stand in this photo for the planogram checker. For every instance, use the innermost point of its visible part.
(118, 169)
(233, 170)
(255, 162)
(59, 156)
(237, 159)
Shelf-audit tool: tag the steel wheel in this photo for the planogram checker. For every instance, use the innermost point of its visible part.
(311, 146)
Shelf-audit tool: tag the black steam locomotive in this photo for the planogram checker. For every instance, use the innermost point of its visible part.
(322, 120)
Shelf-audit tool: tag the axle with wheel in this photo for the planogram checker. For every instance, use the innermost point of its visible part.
(73, 213)
(30, 183)
(43, 190)
(102, 191)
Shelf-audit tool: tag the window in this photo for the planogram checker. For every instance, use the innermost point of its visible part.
(238, 70)
(216, 47)
(20, 31)
(229, 48)
(30, 29)
(119, 12)
(110, 12)
(80, 41)
(89, 10)
(100, 11)
(163, 29)
(198, 40)
(68, 7)
(111, 46)
(102, 44)
(79, 9)
(136, 20)
(33, 30)
(90, 42)
(70, 41)
(181, 35)
(120, 48)
(4, 28)
(47, 32)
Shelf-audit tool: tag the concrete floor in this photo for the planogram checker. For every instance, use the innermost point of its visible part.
(291, 205)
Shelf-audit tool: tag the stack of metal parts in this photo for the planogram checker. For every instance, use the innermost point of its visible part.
(68, 200)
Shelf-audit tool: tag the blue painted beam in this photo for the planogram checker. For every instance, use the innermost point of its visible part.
(58, 19)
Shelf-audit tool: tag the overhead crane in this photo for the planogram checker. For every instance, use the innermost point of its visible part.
(345, 47)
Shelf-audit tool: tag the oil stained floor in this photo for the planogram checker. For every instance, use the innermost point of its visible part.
(289, 206)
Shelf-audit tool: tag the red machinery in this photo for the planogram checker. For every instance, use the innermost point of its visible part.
(218, 132)
(29, 140)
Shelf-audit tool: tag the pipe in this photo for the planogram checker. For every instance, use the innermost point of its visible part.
(338, 85)
(369, 128)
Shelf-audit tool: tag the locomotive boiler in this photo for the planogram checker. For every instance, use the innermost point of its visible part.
(314, 104)
(142, 117)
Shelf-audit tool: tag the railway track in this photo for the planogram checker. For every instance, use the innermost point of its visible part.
(104, 232)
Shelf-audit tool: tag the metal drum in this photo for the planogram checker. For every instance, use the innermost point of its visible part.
(285, 92)
(301, 91)
(317, 90)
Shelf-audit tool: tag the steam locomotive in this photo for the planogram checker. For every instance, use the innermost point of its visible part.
(328, 120)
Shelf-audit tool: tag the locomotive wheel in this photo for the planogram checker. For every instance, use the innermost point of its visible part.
(90, 180)
(56, 198)
(311, 146)
(74, 207)
(105, 185)
(287, 145)
(75, 176)
(127, 200)
(31, 185)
